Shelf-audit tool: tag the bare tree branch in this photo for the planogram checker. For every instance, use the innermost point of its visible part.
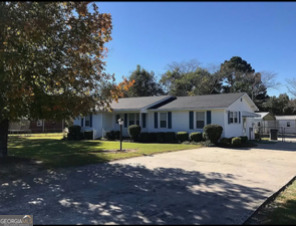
(269, 80)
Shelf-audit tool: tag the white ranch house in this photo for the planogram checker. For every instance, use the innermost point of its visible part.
(234, 112)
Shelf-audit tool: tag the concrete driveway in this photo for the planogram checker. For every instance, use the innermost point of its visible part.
(202, 186)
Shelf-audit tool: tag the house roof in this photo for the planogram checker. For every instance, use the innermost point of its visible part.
(286, 117)
(137, 103)
(265, 116)
(202, 102)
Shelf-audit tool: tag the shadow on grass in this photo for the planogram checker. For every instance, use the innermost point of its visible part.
(124, 194)
(57, 153)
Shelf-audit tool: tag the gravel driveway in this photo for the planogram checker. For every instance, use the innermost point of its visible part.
(202, 186)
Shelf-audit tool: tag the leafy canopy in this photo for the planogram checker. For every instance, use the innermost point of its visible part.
(52, 59)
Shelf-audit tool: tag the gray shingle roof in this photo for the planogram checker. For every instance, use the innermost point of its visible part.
(136, 103)
(202, 101)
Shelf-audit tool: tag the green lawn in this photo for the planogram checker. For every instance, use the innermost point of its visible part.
(54, 152)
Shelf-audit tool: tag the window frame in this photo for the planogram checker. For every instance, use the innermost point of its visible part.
(204, 119)
(166, 120)
(87, 121)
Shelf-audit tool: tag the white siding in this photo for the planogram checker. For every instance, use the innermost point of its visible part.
(282, 124)
(237, 129)
(180, 121)
(96, 125)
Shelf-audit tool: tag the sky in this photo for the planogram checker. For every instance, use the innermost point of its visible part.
(155, 34)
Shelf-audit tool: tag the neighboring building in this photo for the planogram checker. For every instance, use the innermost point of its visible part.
(287, 124)
(265, 122)
(36, 126)
(234, 112)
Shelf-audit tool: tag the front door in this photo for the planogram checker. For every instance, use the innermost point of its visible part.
(251, 134)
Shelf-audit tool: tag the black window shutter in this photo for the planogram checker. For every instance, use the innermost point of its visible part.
(169, 120)
(155, 120)
(144, 120)
(90, 120)
(239, 117)
(228, 117)
(81, 122)
(125, 120)
(209, 117)
(190, 119)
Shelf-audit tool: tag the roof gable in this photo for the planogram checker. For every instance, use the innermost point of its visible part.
(138, 103)
(202, 102)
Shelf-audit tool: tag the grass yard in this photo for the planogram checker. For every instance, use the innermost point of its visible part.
(55, 152)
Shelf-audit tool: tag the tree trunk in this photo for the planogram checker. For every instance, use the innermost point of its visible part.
(3, 137)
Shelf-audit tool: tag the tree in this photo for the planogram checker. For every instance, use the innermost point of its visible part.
(281, 105)
(292, 86)
(185, 79)
(144, 84)
(239, 76)
(51, 56)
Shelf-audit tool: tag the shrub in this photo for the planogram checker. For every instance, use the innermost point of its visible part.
(236, 141)
(182, 136)
(170, 137)
(113, 135)
(134, 132)
(75, 133)
(226, 141)
(244, 139)
(257, 136)
(195, 136)
(159, 137)
(88, 135)
(212, 132)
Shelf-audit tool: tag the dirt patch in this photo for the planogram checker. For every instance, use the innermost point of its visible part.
(115, 151)
(13, 168)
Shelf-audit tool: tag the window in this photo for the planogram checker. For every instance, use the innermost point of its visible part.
(133, 119)
(231, 116)
(288, 124)
(117, 118)
(200, 120)
(39, 123)
(87, 120)
(163, 120)
(259, 124)
(235, 118)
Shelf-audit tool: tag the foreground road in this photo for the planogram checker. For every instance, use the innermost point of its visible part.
(202, 186)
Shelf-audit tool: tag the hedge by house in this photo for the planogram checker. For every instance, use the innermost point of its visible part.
(212, 132)
(182, 136)
(113, 135)
(134, 132)
(195, 136)
(75, 133)
(236, 141)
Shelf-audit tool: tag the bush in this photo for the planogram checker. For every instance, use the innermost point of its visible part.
(244, 139)
(170, 137)
(236, 141)
(226, 141)
(195, 136)
(134, 132)
(212, 132)
(182, 136)
(113, 135)
(75, 133)
(160, 137)
(88, 135)
(257, 136)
